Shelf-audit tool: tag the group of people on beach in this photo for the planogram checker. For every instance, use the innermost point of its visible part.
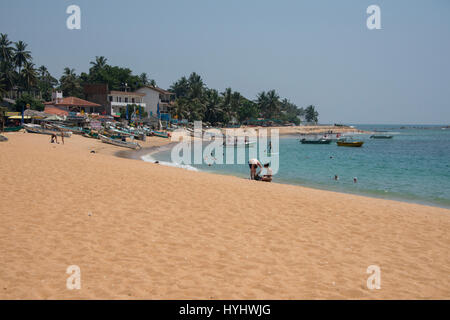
(264, 173)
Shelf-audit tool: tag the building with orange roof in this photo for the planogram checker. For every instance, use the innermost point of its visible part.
(62, 106)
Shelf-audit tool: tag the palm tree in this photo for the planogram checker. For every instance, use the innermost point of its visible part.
(6, 50)
(180, 87)
(28, 75)
(180, 108)
(2, 86)
(273, 104)
(261, 101)
(70, 83)
(9, 74)
(226, 104)
(43, 72)
(21, 55)
(214, 111)
(195, 86)
(311, 115)
(99, 63)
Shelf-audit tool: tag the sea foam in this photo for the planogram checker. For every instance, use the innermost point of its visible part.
(149, 158)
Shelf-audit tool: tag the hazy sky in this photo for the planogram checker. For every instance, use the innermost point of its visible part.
(311, 52)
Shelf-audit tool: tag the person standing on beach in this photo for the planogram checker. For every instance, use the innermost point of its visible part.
(253, 164)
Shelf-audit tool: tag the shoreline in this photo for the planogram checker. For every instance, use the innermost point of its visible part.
(136, 155)
(144, 231)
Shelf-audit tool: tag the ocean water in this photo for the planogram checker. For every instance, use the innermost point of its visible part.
(414, 166)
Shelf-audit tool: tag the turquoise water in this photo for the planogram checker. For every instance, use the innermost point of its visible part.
(413, 166)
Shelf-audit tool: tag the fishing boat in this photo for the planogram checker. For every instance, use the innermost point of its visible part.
(245, 144)
(119, 143)
(90, 133)
(33, 128)
(319, 141)
(381, 136)
(160, 134)
(12, 129)
(350, 143)
(75, 130)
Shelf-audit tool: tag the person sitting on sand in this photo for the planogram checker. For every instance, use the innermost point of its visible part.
(253, 164)
(266, 173)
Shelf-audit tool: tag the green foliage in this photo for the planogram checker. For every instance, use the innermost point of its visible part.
(26, 99)
(197, 102)
(311, 115)
(70, 84)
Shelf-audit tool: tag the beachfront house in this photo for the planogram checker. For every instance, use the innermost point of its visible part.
(158, 102)
(64, 106)
(114, 102)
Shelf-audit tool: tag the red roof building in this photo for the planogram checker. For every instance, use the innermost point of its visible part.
(62, 106)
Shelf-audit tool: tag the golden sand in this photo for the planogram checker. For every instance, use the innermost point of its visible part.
(143, 231)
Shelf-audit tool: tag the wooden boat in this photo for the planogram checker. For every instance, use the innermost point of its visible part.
(319, 141)
(12, 129)
(90, 133)
(119, 143)
(38, 129)
(350, 143)
(245, 144)
(76, 130)
(160, 134)
(381, 136)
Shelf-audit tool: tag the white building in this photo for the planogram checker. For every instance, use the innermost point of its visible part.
(152, 96)
(121, 99)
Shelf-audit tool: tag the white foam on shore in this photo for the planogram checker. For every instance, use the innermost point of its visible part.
(149, 158)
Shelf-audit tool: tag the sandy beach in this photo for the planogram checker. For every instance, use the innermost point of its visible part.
(139, 230)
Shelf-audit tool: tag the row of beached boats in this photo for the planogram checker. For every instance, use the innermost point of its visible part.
(109, 134)
(50, 130)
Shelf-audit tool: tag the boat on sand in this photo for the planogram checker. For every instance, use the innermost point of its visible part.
(34, 128)
(119, 143)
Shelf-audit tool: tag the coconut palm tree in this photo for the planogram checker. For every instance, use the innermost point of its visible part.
(180, 87)
(261, 101)
(214, 111)
(28, 75)
(195, 86)
(2, 86)
(70, 83)
(9, 74)
(273, 104)
(6, 50)
(42, 72)
(99, 63)
(21, 55)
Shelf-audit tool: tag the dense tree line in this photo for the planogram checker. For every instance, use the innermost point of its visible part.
(194, 100)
